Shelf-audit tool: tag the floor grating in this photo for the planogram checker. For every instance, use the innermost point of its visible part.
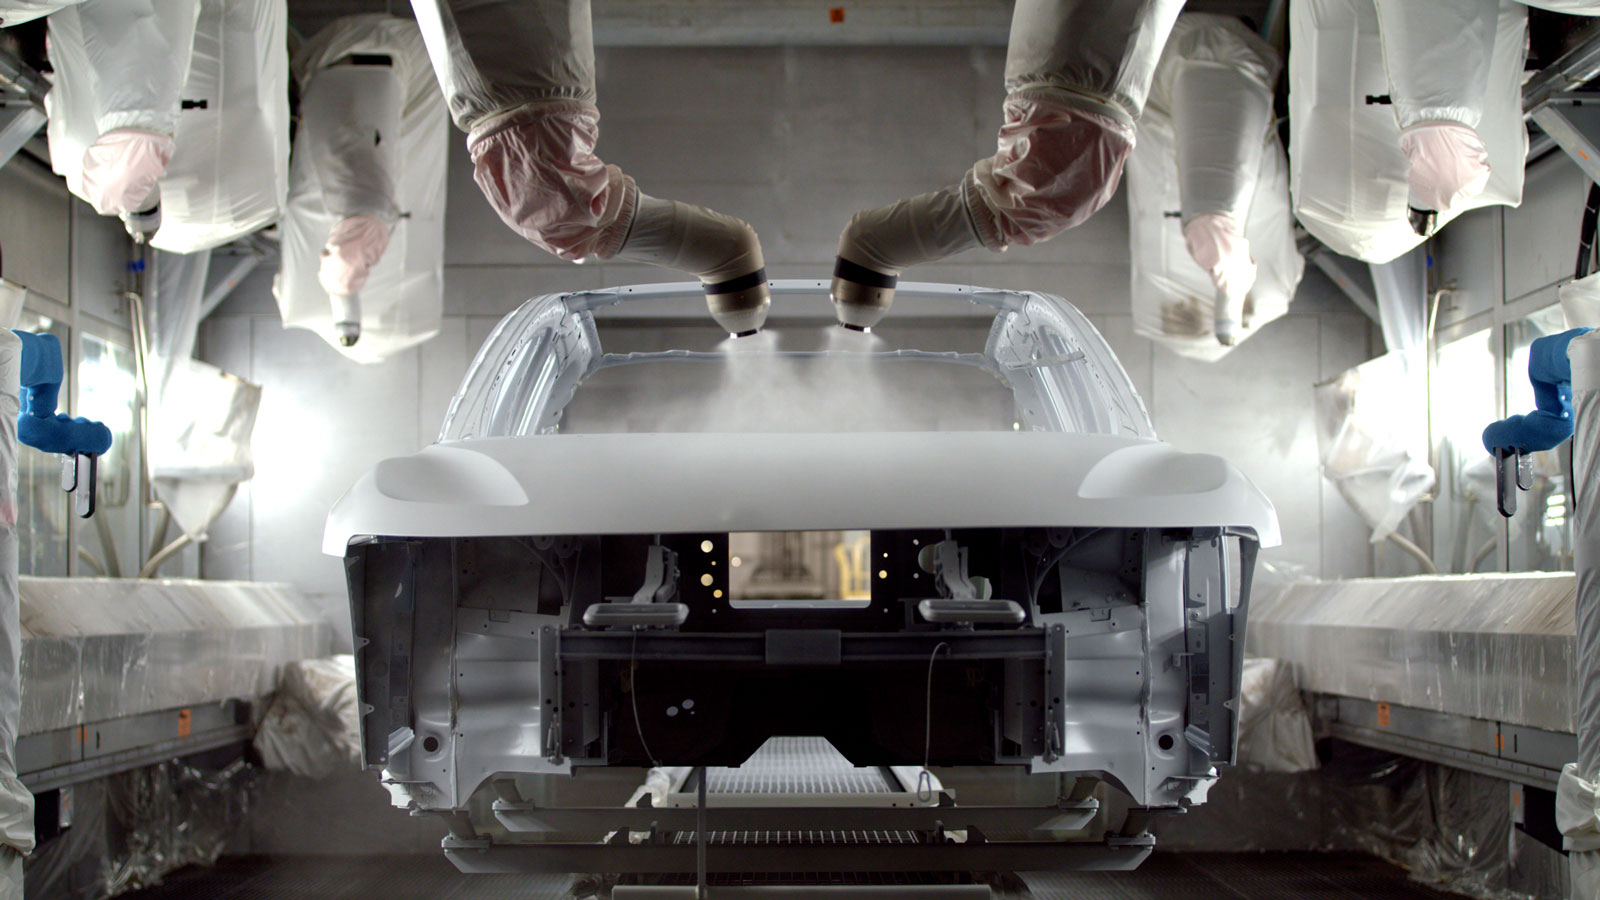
(797, 765)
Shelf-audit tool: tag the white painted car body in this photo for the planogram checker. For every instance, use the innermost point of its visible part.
(474, 564)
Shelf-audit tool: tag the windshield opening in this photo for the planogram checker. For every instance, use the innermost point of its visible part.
(791, 393)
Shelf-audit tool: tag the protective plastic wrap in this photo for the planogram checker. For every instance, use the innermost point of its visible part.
(212, 75)
(1580, 302)
(1347, 171)
(1274, 725)
(118, 64)
(1578, 794)
(16, 804)
(200, 442)
(1208, 147)
(1496, 647)
(1452, 830)
(230, 175)
(1401, 289)
(15, 12)
(200, 417)
(1373, 440)
(131, 829)
(1448, 827)
(97, 648)
(333, 177)
(312, 729)
(539, 171)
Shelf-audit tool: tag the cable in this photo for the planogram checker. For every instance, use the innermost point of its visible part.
(633, 696)
(925, 779)
(563, 577)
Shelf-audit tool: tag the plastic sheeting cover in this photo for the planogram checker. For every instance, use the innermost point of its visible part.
(16, 804)
(1578, 793)
(203, 431)
(1580, 302)
(131, 829)
(230, 175)
(96, 648)
(312, 729)
(402, 300)
(1501, 648)
(15, 12)
(201, 418)
(1373, 439)
(1183, 166)
(230, 116)
(1347, 171)
(1274, 725)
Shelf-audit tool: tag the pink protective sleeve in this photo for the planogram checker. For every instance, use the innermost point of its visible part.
(539, 171)
(122, 168)
(1218, 244)
(1449, 164)
(354, 246)
(1056, 165)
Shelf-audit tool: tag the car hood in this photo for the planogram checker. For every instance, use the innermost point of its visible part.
(644, 483)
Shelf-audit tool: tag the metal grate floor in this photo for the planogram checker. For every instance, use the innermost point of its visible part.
(797, 765)
(1204, 876)
(836, 836)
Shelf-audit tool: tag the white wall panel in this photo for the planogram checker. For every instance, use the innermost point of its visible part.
(1541, 235)
(99, 265)
(35, 228)
(1477, 278)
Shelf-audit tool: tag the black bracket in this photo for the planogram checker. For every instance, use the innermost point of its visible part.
(80, 473)
(1513, 471)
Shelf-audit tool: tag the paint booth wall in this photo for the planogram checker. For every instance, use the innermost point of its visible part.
(75, 266)
(794, 140)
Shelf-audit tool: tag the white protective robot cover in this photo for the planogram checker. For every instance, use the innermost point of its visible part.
(1347, 172)
(1243, 173)
(230, 172)
(402, 300)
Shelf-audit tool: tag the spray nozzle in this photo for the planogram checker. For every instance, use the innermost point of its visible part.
(346, 318)
(740, 304)
(142, 224)
(861, 296)
(1423, 221)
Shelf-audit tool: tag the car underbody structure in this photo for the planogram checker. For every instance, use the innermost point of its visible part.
(1043, 647)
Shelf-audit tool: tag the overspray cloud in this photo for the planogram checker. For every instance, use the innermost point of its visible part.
(754, 387)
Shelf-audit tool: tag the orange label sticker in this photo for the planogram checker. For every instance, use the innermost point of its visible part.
(836, 15)
(184, 724)
(1383, 715)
